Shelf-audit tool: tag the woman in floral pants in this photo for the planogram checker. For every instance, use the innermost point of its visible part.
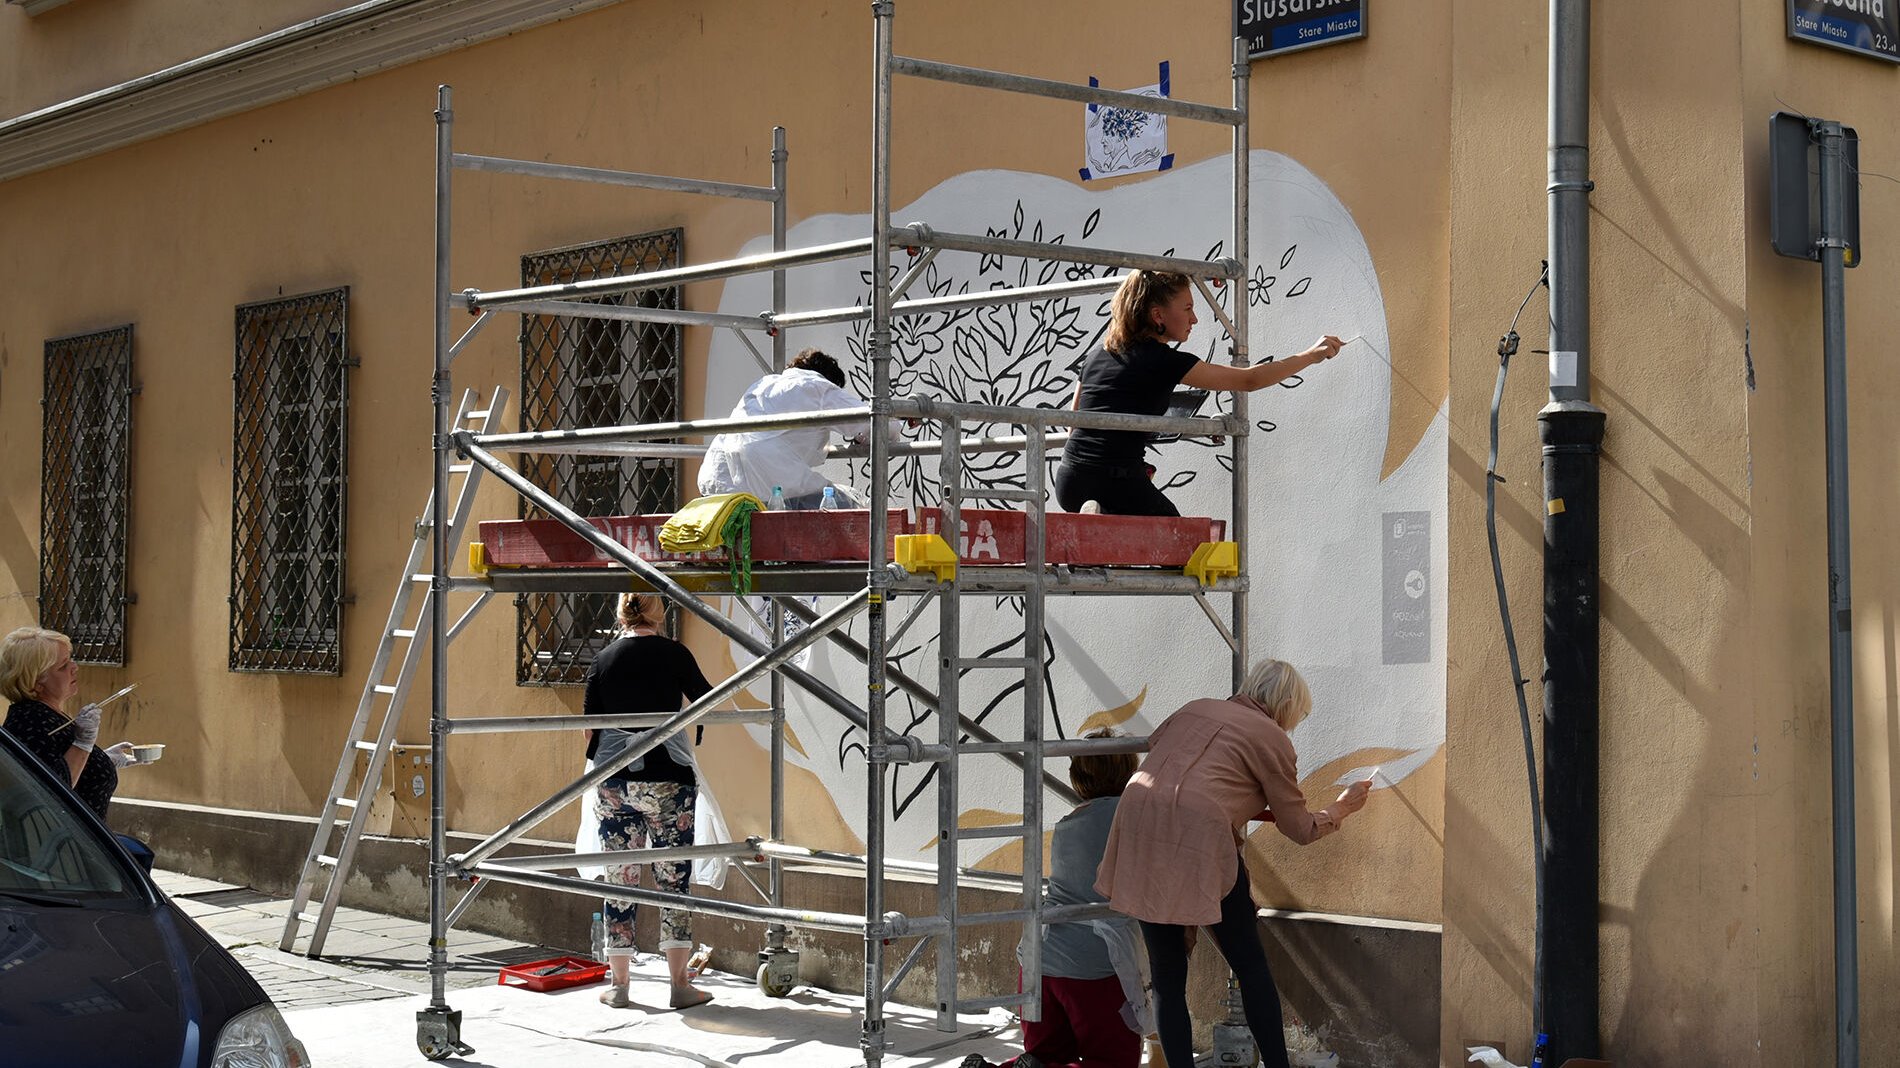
(649, 803)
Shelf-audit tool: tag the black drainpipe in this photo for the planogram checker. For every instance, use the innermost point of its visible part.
(1571, 429)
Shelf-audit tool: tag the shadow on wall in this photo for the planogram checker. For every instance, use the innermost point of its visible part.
(1691, 892)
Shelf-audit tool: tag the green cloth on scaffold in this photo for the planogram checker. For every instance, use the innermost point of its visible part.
(737, 534)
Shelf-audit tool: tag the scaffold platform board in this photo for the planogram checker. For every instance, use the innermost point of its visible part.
(990, 536)
(796, 537)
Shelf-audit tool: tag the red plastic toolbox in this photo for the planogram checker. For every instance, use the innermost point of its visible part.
(557, 973)
(995, 536)
(785, 536)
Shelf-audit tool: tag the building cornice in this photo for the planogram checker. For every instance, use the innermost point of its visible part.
(335, 48)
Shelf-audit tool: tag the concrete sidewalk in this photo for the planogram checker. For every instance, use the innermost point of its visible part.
(356, 1007)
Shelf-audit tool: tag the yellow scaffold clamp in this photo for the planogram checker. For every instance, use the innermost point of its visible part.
(1213, 561)
(926, 552)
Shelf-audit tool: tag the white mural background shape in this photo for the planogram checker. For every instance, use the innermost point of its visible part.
(1317, 495)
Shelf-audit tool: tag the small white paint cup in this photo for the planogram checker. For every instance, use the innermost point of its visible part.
(148, 754)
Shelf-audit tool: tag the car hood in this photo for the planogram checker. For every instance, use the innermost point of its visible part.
(128, 984)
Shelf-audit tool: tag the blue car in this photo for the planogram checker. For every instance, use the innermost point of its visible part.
(98, 969)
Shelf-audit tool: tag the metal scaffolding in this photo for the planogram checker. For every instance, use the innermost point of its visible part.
(870, 589)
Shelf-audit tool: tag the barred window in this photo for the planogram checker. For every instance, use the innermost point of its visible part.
(593, 372)
(289, 467)
(85, 459)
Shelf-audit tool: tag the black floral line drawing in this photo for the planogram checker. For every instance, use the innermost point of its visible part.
(1022, 354)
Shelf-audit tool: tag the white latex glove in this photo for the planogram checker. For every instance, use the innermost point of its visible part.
(87, 724)
(121, 755)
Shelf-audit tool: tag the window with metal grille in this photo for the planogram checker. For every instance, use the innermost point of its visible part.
(593, 372)
(289, 467)
(85, 460)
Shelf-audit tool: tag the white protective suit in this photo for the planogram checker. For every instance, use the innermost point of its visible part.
(756, 461)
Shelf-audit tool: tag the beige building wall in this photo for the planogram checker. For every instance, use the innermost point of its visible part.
(334, 189)
(86, 45)
(1715, 882)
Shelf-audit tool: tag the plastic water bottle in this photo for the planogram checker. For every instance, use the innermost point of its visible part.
(599, 934)
(778, 498)
(830, 501)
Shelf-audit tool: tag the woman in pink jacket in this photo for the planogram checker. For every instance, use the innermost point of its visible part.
(1173, 858)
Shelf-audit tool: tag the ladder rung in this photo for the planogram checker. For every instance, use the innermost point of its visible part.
(380, 688)
(460, 469)
(305, 917)
(401, 633)
(326, 861)
(344, 802)
(481, 413)
(1012, 830)
(367, 747)
(1019, 663)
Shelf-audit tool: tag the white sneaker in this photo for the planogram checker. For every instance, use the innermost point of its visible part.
(1091, 508)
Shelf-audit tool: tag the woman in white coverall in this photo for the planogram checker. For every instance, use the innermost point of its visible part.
(759, 461)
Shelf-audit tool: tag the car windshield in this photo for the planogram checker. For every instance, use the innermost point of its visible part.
(47, 852)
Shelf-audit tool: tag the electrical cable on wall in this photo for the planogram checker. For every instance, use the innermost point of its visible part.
(1507, 347)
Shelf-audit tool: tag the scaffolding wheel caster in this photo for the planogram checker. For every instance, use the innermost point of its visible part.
(439, 1034)
(778, 974)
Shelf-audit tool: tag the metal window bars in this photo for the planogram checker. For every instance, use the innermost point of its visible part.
(288, 476)
(85, 457)
(580, 372)
(867, 590)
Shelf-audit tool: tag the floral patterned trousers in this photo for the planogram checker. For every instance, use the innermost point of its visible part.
(635, 815)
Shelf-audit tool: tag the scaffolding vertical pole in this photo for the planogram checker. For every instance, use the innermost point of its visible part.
(438, 1030)
(1035, 552)
(1242, 208)
(775, 615)
(780, 219)
(949, 731)
(876, 748)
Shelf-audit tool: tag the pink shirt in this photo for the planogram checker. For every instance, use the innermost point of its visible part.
(1175, 846)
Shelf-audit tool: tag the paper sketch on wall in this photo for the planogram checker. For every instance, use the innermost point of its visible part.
(1319, 511)
(1125, 141)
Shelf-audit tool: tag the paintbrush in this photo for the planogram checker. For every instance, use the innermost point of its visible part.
(121, 692)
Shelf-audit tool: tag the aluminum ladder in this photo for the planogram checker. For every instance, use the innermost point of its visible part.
(328, 864)
(952, 664)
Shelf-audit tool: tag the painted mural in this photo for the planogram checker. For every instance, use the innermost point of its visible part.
(1347, 561)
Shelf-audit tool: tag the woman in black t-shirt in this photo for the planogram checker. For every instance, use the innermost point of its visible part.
(649, 803)
(1135, 371)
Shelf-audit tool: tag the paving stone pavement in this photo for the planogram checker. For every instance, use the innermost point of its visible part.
(367, 956)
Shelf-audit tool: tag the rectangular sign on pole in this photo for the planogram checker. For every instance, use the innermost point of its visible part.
(1869, 27)
(1273, 27)
(1794, 189)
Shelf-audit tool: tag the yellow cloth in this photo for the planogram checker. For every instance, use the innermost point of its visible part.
(697, 527)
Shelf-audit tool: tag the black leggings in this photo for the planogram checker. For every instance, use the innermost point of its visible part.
(1238, 936)
(1116, 492)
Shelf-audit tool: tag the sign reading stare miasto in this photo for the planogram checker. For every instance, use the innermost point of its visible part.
(1275, 26)
(1870, 27)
